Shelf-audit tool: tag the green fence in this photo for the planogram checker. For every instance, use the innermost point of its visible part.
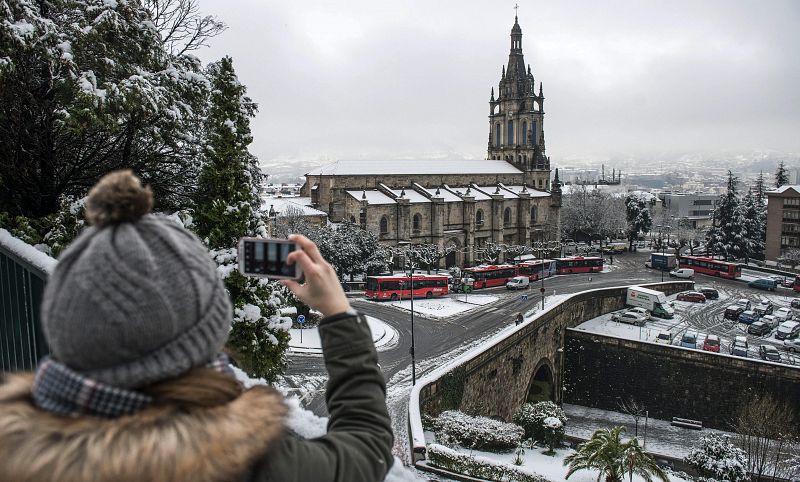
(22, 342)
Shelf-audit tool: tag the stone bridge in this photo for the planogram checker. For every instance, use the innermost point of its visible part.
(526, 365)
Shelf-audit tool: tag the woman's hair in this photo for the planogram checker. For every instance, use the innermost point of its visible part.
(198, 388)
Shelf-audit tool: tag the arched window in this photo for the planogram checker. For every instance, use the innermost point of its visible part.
(534, 135)
(546, 184)
(510, 132)
(533, 214)
(524, 132)
(384, 225)
(519, 158)
(479, 217)
(416, 222)
(525, 158)
(507, 216)
(497, 137)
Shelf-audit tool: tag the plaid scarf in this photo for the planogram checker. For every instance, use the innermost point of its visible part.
(62, 391)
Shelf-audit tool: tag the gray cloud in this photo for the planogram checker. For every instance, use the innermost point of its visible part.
(361, 79)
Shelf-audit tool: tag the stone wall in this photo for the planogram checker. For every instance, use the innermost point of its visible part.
(602, 371)
(496, 381)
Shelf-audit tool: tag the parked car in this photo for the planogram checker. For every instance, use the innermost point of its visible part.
(744, 303)
(709, 293)
(770, 321)
(741, 339)
(684, 273)
(783, 314)
(788, 330)
(748, 317)
(759, 328)
(763, 284)
(689, 340)
(664, 337)
(518, 283)
(769, 353)
(796, 303)
(732, 312)
(645, 314)
(792, 345)
(693, 296)
(739, 346)
(788, 283)
(629, 317)
(711, 343)
(765, 307)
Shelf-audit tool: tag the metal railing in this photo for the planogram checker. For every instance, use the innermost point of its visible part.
(22, 342)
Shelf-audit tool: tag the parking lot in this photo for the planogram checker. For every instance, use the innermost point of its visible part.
(704, 319)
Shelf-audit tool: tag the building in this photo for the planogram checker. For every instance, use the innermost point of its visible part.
(300, 207)
(507, 198)
(694, 208)
(783, 221)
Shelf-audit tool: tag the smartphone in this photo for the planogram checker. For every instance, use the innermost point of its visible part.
(266, 258)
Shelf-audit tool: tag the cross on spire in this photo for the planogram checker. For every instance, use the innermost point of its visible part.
(516, 8)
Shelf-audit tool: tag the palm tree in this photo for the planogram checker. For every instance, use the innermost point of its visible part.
(639, 462)
(601, 452)
(607, 453)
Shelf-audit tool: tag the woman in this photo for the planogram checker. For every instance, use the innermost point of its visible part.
(136, 387)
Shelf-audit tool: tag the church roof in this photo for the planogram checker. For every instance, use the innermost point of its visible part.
(373, 196)
(297, 204)
(531, 191)
(410, 194)
(415, 166)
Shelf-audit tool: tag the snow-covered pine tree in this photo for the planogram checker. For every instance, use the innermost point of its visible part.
(753, 226)
(718, 459)
(637, 213)
(726, 236)
(226, 209)
(781, 176)
(87, 87)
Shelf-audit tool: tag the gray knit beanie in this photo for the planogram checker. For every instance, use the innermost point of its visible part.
(135, 298)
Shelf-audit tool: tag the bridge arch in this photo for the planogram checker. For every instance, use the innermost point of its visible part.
(541, 386)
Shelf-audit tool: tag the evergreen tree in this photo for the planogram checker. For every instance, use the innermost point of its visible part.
(726, 236)
(781, 176)
(227, 208)
(760, 191)
(639, 218)
(753, 227)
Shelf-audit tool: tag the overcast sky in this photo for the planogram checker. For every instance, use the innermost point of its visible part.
(355, 79)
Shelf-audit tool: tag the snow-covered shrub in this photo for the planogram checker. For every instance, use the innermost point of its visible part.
(455, 427)
(716, 458)
(538, 420)
(479, 467)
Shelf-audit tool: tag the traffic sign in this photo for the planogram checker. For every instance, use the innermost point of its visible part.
(541, 290)
(301, 319)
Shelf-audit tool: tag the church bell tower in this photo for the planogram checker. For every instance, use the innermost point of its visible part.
(516, 118)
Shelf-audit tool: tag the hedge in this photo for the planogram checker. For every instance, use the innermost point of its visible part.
(478, 466)
(454, 427)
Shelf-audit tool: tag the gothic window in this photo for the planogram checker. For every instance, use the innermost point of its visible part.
(416, 222)
(384, 225)
(510, 132)
(519, 158)
(533, 133)
(479, 217)
(533, 214)
(507, 216)
(362, 219)
(546, 184)
(540, 183)
(497, 137)
(524, 132)
(525, 158)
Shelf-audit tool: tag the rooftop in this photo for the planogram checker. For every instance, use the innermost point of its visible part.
(415, 166)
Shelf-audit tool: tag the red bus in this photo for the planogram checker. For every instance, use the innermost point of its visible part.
(710, 266)
(579, 264)
(395, 287)
(796, 284)
(537, 269)
(488, 276)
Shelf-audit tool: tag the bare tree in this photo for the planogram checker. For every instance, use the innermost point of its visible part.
(791, 257)
(490, 252)
(182, 28)
(635, 409)
(766, 430)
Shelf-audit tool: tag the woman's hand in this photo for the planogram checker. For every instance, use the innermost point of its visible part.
(321, 290)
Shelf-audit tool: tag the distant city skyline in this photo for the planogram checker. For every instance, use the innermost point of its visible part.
(374, 80)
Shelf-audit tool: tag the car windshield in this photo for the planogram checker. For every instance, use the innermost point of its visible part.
(712, 342)
(689, 338)
(663, 336)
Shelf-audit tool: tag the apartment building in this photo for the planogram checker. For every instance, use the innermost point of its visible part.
(783, 221)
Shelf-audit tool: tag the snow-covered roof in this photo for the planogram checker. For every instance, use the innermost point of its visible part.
(784, 188)
(281, 204)
(413, 196)
(531, 191)
(373, 196)
(448, 196)
(507, 194)
(415, 166)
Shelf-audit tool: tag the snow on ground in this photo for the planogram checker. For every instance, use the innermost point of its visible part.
(551, 467)
(383, 335)
(439, 308)
(307, 425)
(473, 299)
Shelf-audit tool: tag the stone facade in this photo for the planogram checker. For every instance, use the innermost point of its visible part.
(507, 198)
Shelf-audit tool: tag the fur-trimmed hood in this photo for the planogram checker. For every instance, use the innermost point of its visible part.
(160, 443)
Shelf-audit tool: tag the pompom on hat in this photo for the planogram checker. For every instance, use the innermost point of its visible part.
(136, 298)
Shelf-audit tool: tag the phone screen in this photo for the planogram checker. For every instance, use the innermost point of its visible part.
(267, 257)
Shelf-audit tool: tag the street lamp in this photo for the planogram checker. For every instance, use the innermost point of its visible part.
(413, 360)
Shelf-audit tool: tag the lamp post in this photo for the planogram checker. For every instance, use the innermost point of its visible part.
(413, 360)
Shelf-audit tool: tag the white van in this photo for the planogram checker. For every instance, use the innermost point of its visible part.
(518, 283)
(684, 273)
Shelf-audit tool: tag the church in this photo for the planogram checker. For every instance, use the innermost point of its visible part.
(507, 198)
